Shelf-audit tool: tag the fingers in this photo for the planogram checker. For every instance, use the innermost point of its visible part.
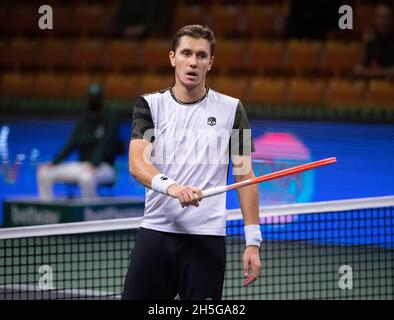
(193, 197)
(250, 278)
(197, 193)
(253, 265)
(246, 267)
(185, 198)
(190, 196)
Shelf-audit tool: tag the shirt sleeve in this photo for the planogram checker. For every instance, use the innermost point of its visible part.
(241, 136)
(142, 121)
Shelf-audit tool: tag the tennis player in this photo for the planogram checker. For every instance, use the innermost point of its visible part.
(181, 140)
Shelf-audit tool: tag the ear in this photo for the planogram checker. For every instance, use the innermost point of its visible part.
(171, 56)
(211, 63)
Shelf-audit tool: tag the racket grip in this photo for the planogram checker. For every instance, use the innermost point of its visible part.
(213, 191)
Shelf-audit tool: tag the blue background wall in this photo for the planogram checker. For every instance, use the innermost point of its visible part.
(365, 154)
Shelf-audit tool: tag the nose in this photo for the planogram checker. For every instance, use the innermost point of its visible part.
(193, 60)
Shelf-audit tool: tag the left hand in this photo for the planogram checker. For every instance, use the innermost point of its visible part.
(187, 195)
(252, 264)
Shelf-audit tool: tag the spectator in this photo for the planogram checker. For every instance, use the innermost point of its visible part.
(95, 137)
(139, 19)
(377, 59)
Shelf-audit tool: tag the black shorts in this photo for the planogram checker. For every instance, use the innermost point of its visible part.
(164, 264)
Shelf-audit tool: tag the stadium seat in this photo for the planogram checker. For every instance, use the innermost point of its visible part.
(303, 57)
(88, 55)
(229, 56)
(232, 86)
(306, 91)
(342, 92)
(49, 85)
(265, 57)
(152, 82)
(189, 14)
(22, 54)
(17, 84)
(91, 20)
(267, 90)
(226, 20)
(339, 57)
(124, 55)
(264, 21)
(380, 93)
(54, 54)
(121, 87)
(155, 55)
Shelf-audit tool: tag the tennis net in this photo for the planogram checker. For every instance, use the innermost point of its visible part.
(324, 250)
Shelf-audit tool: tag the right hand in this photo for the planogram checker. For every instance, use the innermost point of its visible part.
(187, 195)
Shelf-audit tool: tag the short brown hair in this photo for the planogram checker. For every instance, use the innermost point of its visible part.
(196, 31)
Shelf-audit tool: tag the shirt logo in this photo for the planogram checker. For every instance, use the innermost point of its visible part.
(211, 121)
(163, 178)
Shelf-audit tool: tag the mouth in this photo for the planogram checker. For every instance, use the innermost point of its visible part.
(191, 74)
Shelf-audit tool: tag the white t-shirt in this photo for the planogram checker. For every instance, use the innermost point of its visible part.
(191, 145)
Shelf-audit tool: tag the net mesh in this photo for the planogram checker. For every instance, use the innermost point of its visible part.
(319, 252)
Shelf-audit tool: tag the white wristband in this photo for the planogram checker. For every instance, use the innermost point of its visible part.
(253, 235)
(161, 183)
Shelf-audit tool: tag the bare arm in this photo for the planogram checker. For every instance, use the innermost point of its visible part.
(248, 196)
(141, 168)
(249, 202)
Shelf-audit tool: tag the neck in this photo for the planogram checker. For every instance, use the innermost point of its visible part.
(187, 95)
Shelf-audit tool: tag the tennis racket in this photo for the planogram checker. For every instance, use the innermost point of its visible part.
(274, 175)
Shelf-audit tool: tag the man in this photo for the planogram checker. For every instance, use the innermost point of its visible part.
(180, 248)
(95, 137)
(378, 56)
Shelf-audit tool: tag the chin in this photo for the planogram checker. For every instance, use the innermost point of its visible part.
(191, 84)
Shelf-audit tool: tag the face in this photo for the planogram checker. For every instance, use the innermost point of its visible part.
(383, 19)
(192, 60)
